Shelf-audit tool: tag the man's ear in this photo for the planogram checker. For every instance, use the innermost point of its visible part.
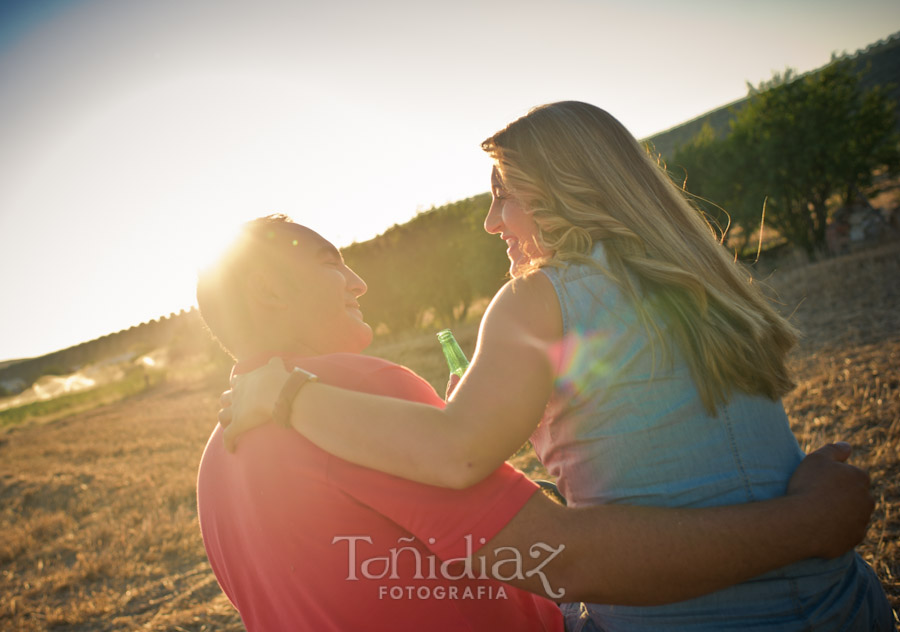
(263, 290)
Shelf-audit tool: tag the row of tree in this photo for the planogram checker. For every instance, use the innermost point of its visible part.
(182, 333)
(798, 148)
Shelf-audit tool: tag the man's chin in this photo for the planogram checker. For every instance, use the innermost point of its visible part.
(362, 338)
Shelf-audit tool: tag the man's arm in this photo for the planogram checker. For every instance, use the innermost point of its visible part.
(619, 554)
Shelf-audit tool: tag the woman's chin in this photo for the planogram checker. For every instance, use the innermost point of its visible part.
(517, 264)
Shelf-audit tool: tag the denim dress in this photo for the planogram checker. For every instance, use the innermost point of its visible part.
(622, 426)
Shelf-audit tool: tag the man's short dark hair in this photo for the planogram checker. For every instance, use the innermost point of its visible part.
(220, 286)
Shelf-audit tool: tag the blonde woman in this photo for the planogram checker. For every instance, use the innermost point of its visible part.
(639, 359)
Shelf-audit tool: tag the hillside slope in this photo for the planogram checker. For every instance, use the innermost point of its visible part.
(881, 59)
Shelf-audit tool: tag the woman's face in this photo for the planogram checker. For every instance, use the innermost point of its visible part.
(508, 218)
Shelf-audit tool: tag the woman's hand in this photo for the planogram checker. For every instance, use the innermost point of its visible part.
(451, 386)
(251, 399)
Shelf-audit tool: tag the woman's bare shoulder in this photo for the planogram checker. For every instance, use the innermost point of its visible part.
(527, 304)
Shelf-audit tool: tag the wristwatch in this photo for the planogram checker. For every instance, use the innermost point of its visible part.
(298, 378)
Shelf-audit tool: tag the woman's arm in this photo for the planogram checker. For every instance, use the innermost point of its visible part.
(492, 412)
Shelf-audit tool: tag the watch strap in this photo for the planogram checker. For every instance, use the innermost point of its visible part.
(281, 413)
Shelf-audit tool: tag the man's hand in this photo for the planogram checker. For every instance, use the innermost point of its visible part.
(839, 499)
(251, 399)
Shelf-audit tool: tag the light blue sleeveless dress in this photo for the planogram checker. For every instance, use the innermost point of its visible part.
(618, 430)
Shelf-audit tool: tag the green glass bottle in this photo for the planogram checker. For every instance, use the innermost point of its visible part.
(456, 359)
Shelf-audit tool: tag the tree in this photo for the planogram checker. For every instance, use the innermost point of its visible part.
(705, 169)
(799, 142)
(438, 263)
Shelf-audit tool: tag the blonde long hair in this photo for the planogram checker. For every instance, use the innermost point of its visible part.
(586, 179)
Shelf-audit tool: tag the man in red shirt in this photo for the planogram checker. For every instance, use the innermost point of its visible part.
(299, 539)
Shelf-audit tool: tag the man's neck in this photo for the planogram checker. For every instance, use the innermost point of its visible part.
(255, 352)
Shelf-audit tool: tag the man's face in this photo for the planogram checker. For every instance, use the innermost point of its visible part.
(318, 308)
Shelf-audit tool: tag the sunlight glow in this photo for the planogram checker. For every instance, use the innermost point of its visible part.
(138, 135)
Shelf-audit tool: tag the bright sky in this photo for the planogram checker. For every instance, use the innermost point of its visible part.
(132, 133)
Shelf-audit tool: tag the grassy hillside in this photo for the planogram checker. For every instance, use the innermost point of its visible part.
(98, 509)
(880, 63)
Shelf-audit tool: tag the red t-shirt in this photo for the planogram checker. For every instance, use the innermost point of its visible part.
(301, 540)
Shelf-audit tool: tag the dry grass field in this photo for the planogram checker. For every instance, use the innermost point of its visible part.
(98, 513)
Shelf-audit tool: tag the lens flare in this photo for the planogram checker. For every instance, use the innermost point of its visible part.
(580, 361)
